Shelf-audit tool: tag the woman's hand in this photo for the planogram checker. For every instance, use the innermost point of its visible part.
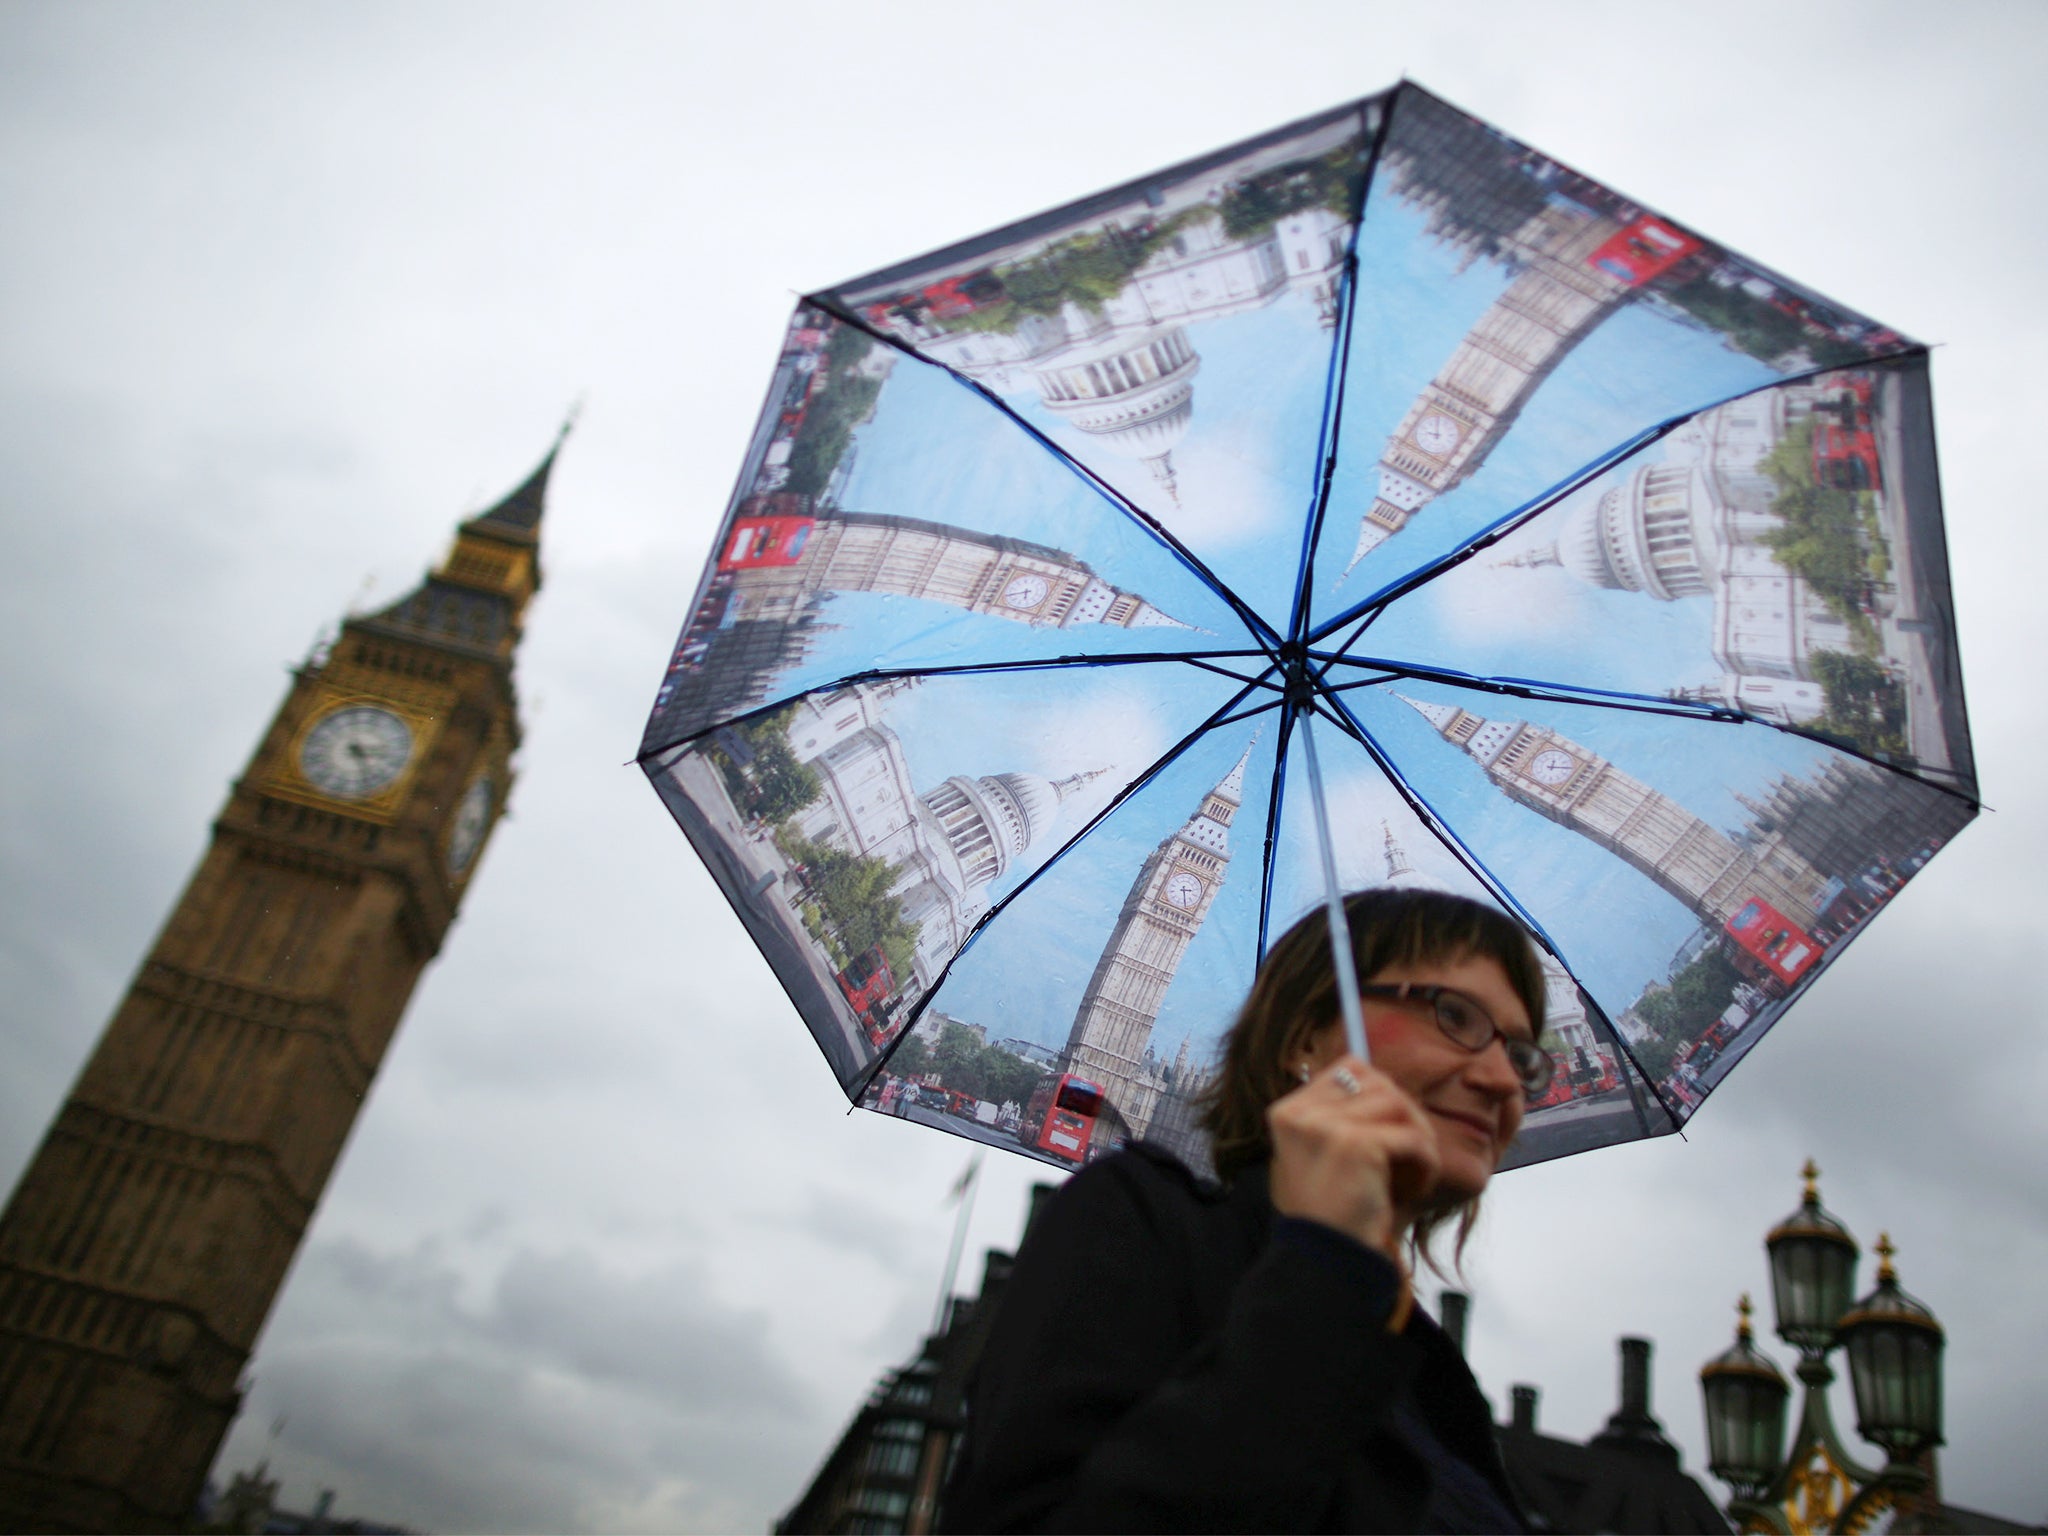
(1354, 1152)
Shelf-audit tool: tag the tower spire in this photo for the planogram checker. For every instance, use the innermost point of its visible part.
(1161, 466)
(1531, 559)
(477, 598)
(519, 511)
(1071, 785)
(1232, 786)
(1397, 857)
(1438, 715)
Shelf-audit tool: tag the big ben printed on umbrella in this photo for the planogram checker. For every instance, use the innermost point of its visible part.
(1603, 566)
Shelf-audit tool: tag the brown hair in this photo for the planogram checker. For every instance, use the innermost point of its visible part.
(1295, 996)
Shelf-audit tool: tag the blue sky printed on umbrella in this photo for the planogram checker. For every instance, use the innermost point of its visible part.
(1025, 975)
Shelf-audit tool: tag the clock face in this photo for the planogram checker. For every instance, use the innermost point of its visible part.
(1025, 591)
(472, 816)
(1552, 766)
(1183, 889)
(355, 752)
(1437, 434)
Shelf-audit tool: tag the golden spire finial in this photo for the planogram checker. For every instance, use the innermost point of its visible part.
(1811, 1174)
(1742, 1311)
(1885, 1250)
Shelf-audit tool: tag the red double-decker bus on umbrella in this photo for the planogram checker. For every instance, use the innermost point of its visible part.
(1061, 1117)
(1772, 941)
(770, 530)
(1646, 247)
(867, 986)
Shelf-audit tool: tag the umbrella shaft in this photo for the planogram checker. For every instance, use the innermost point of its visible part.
(1333, 903)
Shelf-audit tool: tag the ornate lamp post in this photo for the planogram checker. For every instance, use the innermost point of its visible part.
(1894, 1346)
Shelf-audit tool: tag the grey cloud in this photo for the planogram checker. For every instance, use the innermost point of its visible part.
(858, 1225)
(660, 1332)
(571, 1396)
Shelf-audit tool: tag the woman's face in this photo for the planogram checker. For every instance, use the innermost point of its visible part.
(1473, 1098)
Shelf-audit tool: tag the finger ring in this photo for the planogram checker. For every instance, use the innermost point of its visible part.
(1344, 1079)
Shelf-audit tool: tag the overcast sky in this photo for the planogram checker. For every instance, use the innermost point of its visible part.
(286, 291)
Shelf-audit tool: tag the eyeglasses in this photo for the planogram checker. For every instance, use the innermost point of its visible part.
(1464, 1022)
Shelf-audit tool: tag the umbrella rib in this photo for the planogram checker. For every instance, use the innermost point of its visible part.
(1263, 680)
(1187, 557)
(1472, 862)
(1328, 431)
(1202, 659)
(1544, 691)
(1535, 688)
(1273, 808)
(1341, 716)
(1334, 388)
(1221, 716)
(1369, 608)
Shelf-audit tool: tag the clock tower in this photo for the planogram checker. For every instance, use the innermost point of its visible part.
(146, 1242)
(1164, 910)
(1711, 872)
(984, 573)
(1554, 302)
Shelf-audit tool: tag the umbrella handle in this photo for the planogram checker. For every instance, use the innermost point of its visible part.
(1333, 903)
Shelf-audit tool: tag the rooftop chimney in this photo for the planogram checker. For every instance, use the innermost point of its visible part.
(1524, 1410)
(1452, 1312)
(1632, 1428)
(1040, 1193)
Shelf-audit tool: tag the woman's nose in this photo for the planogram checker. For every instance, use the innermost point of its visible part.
(1491, 1069)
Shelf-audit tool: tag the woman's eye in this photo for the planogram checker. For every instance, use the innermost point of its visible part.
(1460, 1016)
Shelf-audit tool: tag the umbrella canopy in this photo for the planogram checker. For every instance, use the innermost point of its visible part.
(1607, 564)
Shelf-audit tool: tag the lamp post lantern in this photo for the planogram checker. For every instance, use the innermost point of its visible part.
(1745, 1396)
(1894, 1346)
(1813, 1271)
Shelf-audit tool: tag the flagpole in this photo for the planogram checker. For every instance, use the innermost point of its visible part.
(966, 1189)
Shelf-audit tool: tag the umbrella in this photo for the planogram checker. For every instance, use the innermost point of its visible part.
(1373, 501)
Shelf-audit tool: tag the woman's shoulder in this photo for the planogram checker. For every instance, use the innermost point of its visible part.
(1146, 1175)
(1144, 1188)
(1149, 1163)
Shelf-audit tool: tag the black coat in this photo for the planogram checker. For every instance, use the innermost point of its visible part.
(1172, 1357)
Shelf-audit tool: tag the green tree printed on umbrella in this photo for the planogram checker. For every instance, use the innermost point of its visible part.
(850, 894)
(774, 786)
(1866, 706)
(1257, 203)
(1757, 326)
(968, 1065)
(1091, 268)
(1680, 1013)
(1830, 537)
(845, 400)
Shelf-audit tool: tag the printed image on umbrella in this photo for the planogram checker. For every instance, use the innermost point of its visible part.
(1607, 564)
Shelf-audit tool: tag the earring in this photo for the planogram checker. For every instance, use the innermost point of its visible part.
(1301, 1072)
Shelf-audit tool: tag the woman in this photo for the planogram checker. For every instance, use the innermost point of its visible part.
(1173, 1354)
